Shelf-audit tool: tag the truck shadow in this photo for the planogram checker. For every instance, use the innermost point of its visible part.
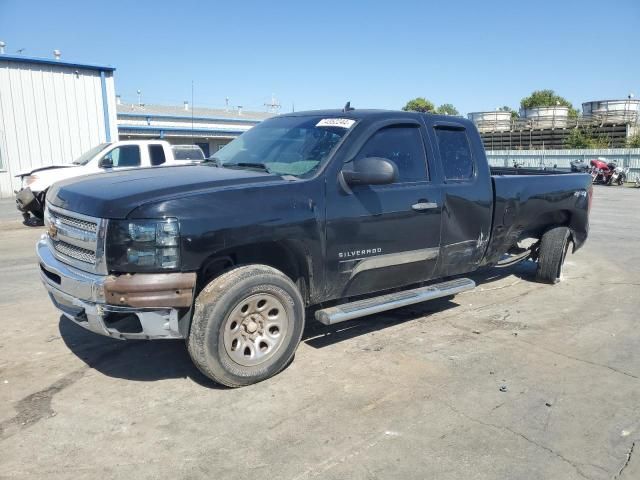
(148, 361)
(139, 360)
(318, 335)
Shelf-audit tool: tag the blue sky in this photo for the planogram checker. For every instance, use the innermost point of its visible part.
(477, 55)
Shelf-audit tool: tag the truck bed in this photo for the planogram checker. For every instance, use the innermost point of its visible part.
(528, 201)
(501, 171)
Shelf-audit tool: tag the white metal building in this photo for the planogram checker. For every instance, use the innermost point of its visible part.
(208, 128)
(51, 112)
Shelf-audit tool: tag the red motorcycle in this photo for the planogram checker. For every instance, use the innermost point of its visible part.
(607, 173)
(602, 171)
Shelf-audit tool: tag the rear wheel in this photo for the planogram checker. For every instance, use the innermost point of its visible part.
(554, 245)
(246, 325)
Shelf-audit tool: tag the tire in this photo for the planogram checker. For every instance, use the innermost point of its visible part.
(39, 212)
(620, 180)
(237, 340)
(553, 250)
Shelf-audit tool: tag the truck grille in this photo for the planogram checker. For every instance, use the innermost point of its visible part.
(76, 239)
(77, 223)
(82, 254)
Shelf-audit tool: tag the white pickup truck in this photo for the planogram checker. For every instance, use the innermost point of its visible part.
(106, 157)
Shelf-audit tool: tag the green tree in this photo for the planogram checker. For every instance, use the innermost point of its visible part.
(579, 138)
(447, 109)
(600, 141)
(576, 139)
(419, 104)
(634, 141)
(514, 114)
(547, 98)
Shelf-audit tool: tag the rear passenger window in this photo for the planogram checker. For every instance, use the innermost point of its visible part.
(403, 146)
(455, 153)
(156, 154)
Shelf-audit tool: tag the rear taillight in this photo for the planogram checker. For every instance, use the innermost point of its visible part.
(589, 198)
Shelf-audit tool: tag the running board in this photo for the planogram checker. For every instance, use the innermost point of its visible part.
(361, 308)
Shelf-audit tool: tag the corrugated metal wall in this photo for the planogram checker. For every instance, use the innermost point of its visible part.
(50, 114)
(626, 157)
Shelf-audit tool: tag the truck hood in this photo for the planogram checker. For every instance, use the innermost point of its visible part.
(116, 194)
(56, 166)
(45, 177)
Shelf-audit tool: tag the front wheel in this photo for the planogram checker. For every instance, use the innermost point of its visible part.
(554, 245)
(246, 326)
(38, 211)
(620, 180)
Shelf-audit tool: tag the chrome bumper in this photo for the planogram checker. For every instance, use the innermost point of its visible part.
(80, 297)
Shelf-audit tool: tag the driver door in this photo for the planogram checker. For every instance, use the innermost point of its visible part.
(125, 156)
(380, 237)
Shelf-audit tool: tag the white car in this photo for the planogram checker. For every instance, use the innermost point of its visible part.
(106, 157)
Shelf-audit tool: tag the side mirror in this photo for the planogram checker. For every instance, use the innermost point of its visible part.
(371, 171)
(106, 162)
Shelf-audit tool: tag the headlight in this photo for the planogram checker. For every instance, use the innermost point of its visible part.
(30, 180)
(143, 245)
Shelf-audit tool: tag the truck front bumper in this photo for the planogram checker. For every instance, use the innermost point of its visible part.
(26, 202)
(81, 297)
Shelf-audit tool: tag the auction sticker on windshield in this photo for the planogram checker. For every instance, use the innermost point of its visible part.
(336, 122)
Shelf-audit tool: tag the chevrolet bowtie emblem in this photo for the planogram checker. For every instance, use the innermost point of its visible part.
(53, 231)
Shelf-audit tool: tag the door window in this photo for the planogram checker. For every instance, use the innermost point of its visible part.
(455, 154)
(125, 156)
(156, 155)
(403, 146)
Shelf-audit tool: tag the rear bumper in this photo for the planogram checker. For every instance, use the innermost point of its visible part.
(146, 310)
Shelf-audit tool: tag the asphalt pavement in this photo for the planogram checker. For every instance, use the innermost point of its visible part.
(515, 380)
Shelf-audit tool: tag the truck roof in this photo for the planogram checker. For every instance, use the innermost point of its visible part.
(139, 142)
(373, 113)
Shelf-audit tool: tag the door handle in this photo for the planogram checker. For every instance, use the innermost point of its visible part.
(422, 206)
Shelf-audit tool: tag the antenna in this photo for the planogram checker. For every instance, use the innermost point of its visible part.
(347, 107)
(226, 104)
(192, 107)
(274, 106)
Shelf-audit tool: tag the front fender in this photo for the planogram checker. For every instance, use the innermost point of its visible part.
(46, 178)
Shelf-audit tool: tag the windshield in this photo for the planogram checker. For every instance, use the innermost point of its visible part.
(89, 154)
(285, 145)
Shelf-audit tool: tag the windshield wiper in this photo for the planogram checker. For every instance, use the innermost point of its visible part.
(260, 166)
(214, 160)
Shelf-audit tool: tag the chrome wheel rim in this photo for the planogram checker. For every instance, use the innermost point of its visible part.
(255, 329)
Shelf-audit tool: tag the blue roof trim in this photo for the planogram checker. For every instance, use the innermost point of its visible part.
(105, 106)
(187, 117)
(50, 61)
(151, 128)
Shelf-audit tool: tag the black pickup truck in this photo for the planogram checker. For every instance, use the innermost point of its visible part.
(343, 213)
